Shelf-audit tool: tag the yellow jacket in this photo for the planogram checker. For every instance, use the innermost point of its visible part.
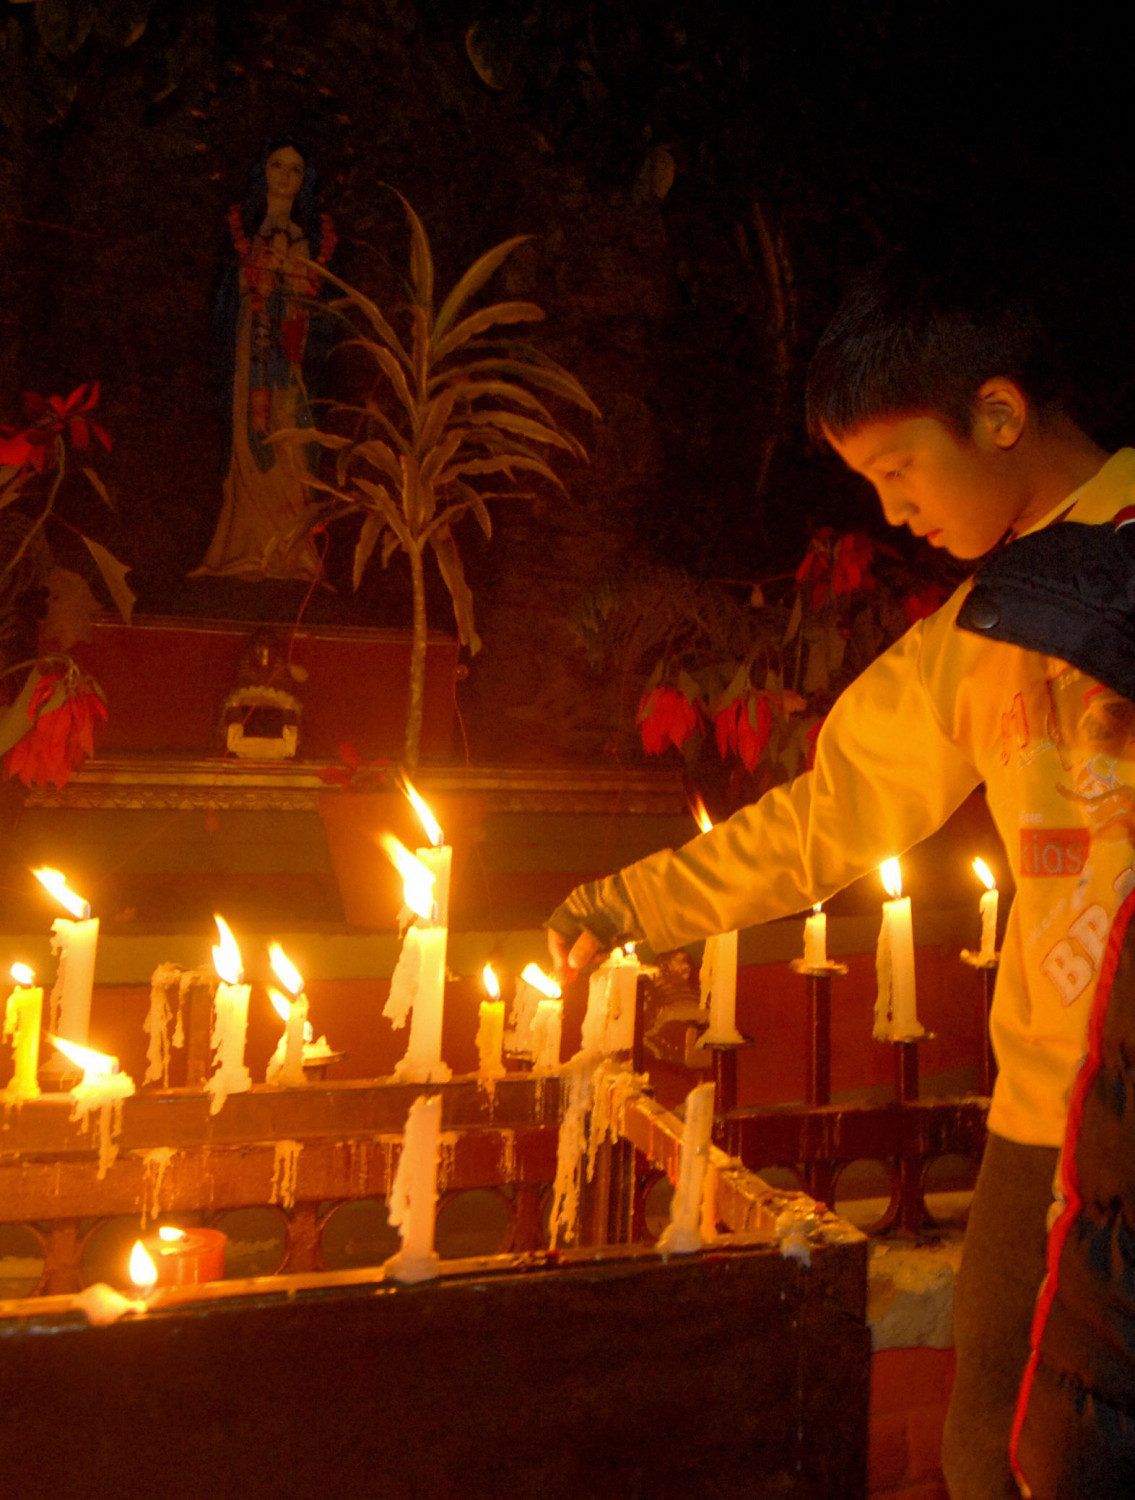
(940, 712)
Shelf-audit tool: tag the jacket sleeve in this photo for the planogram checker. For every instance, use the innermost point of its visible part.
(887, 774)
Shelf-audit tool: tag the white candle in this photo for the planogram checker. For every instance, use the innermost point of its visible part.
(988, 913)
(76, 943)
(816, 939)
(230, 1023)
(490, 1029)
(546, 1031)
(418, 983)
(684, 1232)
(293, 1011)
(413, 1193)
(532, 988)
(103, 1087)
(896, 1016)
(718, 972)
(612, 990)
(719, 987)
(23, 1016)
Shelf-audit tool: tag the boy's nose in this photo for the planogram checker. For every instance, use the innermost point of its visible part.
(897, 512)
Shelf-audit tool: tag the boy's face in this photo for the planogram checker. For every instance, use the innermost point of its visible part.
(962, 494)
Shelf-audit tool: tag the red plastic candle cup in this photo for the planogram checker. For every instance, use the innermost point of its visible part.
(186, 1257)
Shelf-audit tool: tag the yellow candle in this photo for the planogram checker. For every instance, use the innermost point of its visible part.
(896, 1017)
(490, 1029)
(23, 1016)
(816, 939)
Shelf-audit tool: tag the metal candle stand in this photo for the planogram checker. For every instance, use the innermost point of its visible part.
(819, 1175)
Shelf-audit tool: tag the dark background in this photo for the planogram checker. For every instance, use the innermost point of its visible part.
(700, 182)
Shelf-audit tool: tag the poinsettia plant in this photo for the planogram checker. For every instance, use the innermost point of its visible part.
(748, 670)
(49, 729)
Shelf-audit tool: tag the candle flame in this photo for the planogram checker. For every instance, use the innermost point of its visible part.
(817, 907)
(22, 974)
(417, 881)
(491, 984)
(90, 1062)
(629, 950)
(56, 882)
(892, 877)
(280, 1004)
(539, 981)
(226, 955)
(170, 1233)
(700, 814)
(429, 822)
(285, 971)
(143, 1272)
(984, 874)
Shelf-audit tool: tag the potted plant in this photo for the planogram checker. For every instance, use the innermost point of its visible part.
(455, 415)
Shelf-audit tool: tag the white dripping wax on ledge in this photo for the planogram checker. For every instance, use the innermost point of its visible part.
(103, 1087)
(683, 1234)
(413, 1193)
(896, 1016)
(286, 1064)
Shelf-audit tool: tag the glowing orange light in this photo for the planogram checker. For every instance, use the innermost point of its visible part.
(540, 981)
(280, 1004)
(429, 822)
(984, 874)
(417, 881)
(701, 815)
(22, 974)
(55, 882)
(143, 1272)
(491, 984)
(892, 877)
(170, 1233)
(285, 971)
(90, 1062)
(817, 907)
(226, 954)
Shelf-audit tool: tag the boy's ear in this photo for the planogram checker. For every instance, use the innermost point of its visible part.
(1002, 411)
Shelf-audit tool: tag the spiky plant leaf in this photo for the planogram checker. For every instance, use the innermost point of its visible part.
(472, 282)
(371, 529)
(488, 317)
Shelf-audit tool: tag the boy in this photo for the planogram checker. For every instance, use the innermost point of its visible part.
(948, 401)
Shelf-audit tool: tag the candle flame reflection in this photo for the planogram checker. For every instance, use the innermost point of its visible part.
(285, 971)
(143, 1272)
(56, 882)
(539, 981)
(491, 984)
(984, 874)
(22, 974)
(892, 877)
(429, 822)
(700, 813)
(226, 955)
(90, 1062)
(170, 1233)
(417, 881)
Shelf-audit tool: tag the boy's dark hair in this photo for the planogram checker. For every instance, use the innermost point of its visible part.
(912, 338)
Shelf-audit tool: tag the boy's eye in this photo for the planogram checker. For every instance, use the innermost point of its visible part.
(895, 473)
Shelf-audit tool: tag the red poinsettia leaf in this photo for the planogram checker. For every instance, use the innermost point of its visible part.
(92, 396)
(101, 433)
(80, 432)
(15, 450)
(350, 756)
(41, 693)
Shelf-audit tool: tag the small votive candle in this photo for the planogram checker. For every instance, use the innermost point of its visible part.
(178, 1257)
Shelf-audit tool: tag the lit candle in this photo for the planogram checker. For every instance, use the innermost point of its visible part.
(178, 1257)
(988, 952)
(103, 1087)
(230, 1022)
(23, 1016)
(816, 939)
(547, 1027)
(286, 1066)
(683, 1234)
(413, 1193)
(608, 1024)
(76, 943)
(532, 988)
(896, 1017)
(718, 973)
(417, 985)
(490, 1029)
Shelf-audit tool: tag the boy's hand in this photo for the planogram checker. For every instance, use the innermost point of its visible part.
(569, 959)
(590, 922)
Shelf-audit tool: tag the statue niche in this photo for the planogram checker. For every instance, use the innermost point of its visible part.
(268, 337)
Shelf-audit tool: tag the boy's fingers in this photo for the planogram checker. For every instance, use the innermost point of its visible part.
(585, 950)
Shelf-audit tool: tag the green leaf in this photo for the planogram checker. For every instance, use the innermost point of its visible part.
(99, 488)
(114, 576)
(513, 421)
(391, 367)
(307, 435)
(368, 535)
(412, 499)
(472, 282)
(487, 317)
(449, 564)
(476, 503)
(382, 457)
(390, 545)
(421, 263)
(545, 373)
(437, 415)
(794, 619)
(739, 683)
(370, 310)
(502, 464)
(441, 453)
